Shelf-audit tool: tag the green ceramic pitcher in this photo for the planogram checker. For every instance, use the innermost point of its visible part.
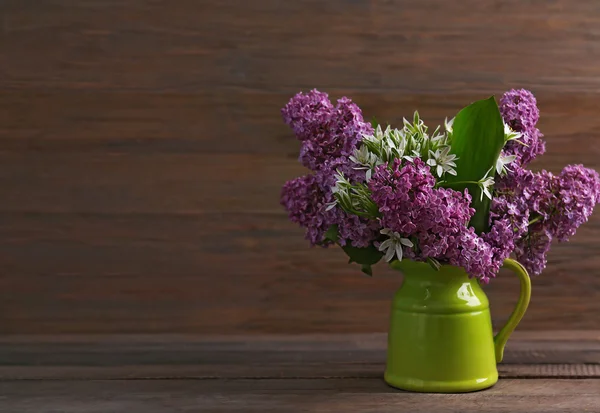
(440, 339)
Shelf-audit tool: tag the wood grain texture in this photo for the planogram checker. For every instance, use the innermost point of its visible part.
(264, 357)
(315, 373)
(411, 45)
(134, 273)
(142, 153)
(349, 395)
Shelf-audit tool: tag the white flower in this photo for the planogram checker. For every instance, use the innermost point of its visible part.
(385, 145)
(443, 161)
(509, 134)
(331, 205)
(365, 160)
(336, 189)
(393, 245)
(438, 139)
(378, 134)
(485, 184)
(340, 182)
(340, 190)
(449, 124)
(361, 155)
(504, 160)
(396, 143)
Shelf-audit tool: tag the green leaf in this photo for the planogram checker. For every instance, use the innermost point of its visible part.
(366, 268)
(332, 234)
(364, 256)
(435, 264)
(477, 139)
(374, 122)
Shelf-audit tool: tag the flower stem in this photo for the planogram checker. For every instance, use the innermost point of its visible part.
(358, 213)
(445, 184)
(534, 220)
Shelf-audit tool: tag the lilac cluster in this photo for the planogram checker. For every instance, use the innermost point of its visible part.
(531, 250)
(446, 214)
(474, 254)
(326, 174)
(519, 110)
(523, 196)
(306, 204)
(510, 211)
(528, 210)
(436, 218)
(578, 192)
(401, 193)
(553, 207)
(307, 113)
(329, 135)
(359, 231)
(538, 191)
(509, 219)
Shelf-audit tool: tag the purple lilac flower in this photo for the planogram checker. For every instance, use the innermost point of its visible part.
(326, 175)
(326, 132)
(307, 113)
(501, 239)
(557, 205)
(509, 220)
(470, 251)
(519, 110)
(521, 196)
(529, 146)
(578, 191)
(399, 192)
(513, 209)
(446, 213)
(361, 232)
(445, 210)
(513, 182)
(337, 139)
(350, 124)
(537, 190)
(432, 245)
(531, 250)
(306, 204)
(436, 218)
(563, 202)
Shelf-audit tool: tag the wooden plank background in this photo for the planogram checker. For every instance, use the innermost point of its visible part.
(142, 153)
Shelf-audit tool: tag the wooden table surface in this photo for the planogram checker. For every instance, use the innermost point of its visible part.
(543, 372)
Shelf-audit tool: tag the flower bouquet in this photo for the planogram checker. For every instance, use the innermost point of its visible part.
(448, 208)
(459, 195)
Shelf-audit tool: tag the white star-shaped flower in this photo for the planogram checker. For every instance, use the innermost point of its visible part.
(393, 245)
(443, 161)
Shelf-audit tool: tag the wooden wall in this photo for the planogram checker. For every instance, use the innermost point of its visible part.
(142, 153)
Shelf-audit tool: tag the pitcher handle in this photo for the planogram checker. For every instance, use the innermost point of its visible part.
(502, 337)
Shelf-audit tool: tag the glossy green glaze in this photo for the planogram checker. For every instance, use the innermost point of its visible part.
(440, 337)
